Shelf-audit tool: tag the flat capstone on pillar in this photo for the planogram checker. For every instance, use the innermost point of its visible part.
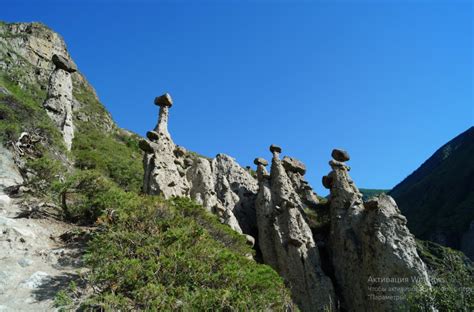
(261, 171)
(276, 150)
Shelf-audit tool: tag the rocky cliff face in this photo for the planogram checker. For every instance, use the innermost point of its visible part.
(34, 56)
(220, 184)
(366, 241)
(285, 239)
(371, 248)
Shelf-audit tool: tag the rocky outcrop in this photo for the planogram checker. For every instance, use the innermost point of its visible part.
(220, 184)
(373, 253)
(23, 45)
(284, 237)
(59, 100)
(36, 59)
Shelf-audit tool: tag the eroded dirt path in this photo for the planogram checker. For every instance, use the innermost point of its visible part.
(36, 261)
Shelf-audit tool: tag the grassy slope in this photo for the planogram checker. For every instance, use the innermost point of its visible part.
(439, 195)
(150, 253)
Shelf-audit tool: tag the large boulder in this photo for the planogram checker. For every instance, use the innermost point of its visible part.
(63, 63)
(293, 165)
(340, 155)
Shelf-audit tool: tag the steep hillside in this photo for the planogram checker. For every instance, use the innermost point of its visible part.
(95, 218)
(70, 185)
(438, 197)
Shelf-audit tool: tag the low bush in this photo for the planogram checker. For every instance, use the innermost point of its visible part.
(452, 279)
(156, 255)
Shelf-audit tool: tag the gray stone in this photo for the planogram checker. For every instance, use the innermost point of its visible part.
(293, 165)
(340, 155)
(59, 104)
(275, 148)
(152, 136)
(372, 203)
(260, 161)
(145, 146)
(188, 162)
(24, 262)
(250, 240)
(220, 184)
(370, 240)
(327, 182)
(180, 151)
(164, 100)
(35, 280)
(63, 63)
(9, 173)
(286, 241)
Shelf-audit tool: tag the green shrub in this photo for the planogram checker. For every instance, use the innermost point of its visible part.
(157, 256)
(22, 111)
(452, 279)
(47, 171)
(114, 156)
(86, 195)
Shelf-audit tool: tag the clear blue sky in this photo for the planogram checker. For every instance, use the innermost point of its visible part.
(390, 81)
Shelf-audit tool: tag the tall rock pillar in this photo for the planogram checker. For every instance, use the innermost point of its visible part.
(164, 102)
(220, 184)
(59, 100)
(285, 238)
(372, 251)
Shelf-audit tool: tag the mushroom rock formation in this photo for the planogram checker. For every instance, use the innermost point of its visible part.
(295, 170)
(59, 100)
(370, 246)
(285, 239)
(220, 184)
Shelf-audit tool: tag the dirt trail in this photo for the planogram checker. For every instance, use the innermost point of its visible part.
(34, 262)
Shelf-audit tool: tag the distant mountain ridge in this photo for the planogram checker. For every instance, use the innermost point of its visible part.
(438, 197)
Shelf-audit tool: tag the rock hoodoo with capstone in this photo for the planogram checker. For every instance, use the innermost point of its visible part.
(219, 184)
(59, 101)
(284, 237)
(369, 240)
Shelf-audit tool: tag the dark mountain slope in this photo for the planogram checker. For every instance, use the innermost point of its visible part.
(438, 197)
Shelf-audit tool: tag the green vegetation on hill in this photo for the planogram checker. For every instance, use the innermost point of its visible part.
(158, 255)
(452, 280)
(147, 253)
(20, 111)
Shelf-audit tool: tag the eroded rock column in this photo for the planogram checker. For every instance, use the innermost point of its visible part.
(164, 174)
(372, 250)
(220, 184)
(285, 238)
(59, 100)
(164, 102)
